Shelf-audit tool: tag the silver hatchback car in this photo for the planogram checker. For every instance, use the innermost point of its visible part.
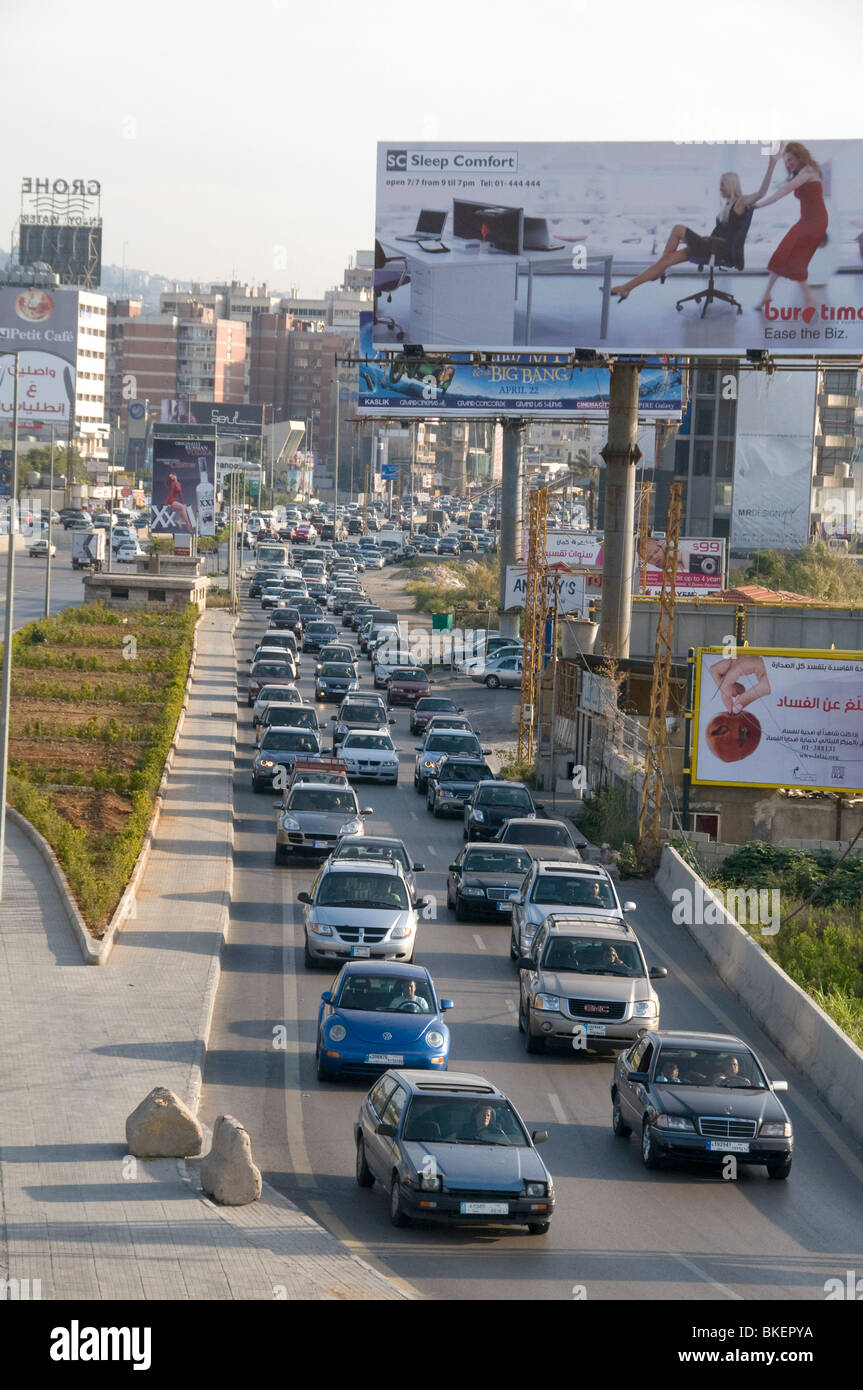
(364, 911)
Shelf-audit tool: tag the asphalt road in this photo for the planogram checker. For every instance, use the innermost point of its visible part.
(618, 1232)
(29, 603)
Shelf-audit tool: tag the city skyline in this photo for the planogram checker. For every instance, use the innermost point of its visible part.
(250, 155)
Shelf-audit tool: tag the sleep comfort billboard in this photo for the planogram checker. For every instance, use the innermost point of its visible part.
(610, 246)
(507, 384)
(766, 717)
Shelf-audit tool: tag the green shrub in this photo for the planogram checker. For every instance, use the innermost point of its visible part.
(606, 819)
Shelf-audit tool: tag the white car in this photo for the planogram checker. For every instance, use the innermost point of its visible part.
(128, 554)
(263, 652)
(498, 671)
(285, 694)
(370, 753)
(374, 559)
(476, 665)
(38, 550)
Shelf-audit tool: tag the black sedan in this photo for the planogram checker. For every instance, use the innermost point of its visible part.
(448, 788)
(483, 878)
(317, 633)
(455, 1151)
(702, 1096)
(491, 804)
(335, 680)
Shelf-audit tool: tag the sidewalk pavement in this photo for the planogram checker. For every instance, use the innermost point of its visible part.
(83, 1045)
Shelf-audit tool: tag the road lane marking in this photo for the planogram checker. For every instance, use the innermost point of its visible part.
(479, 941)
(327, 1217)
(559, 1112)
(298, 1153)
(511, 1006)
(714, 1284)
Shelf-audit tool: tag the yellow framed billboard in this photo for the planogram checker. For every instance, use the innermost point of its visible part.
(771, 717)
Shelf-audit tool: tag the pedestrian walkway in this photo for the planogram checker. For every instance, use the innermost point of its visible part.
(82, 1045)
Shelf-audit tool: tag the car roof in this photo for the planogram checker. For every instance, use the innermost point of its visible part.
(576, 924)
(386, 967)
(502, 782)
(556, 866)
(290, 729)
(371, 840)
(710, 1041)
(448, 1083)
(345, 866)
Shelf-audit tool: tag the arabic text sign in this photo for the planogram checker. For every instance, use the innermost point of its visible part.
(41, 327)
(700, 560)
(775, 718)
(572, 589)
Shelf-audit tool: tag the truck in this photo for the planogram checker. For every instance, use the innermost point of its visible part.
(88, 549)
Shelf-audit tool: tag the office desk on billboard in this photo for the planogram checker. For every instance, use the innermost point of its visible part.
(467, 298)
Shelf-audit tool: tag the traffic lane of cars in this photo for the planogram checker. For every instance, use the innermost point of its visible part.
(485, 1040)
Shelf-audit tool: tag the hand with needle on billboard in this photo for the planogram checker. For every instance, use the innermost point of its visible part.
(727, 675)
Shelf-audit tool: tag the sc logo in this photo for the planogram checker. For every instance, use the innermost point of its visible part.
(397, 159)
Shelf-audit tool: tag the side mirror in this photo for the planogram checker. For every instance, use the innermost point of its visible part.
(392, 721)
(779, 1085)
(641, 1077)
(277, 805)
(418, 747)
(461, 711)
(418, 868)
(487, 752)
(539, 1136)
(657, 972)
(327, 996)
(367, 811)
(524, 963)
(630, 907)
(334, 716)
(388, 1131)
(305, 898)
(446, 1004)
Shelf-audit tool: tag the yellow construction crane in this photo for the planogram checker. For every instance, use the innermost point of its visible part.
(651, 791)
(643, 532)
(534, 620)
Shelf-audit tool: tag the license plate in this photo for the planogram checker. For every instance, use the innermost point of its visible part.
(504, 907)
(727, 1146)
(484, 1208)
(596, 1030)
(386, 1059)
(320, 844)
(361, 951)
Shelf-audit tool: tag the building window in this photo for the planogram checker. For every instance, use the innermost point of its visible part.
(722, 495)
(156, 595)
(701, 461)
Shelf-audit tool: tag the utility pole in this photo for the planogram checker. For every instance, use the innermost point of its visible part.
(621, 454)
(50, 531)
(8, 628)
(336, 469)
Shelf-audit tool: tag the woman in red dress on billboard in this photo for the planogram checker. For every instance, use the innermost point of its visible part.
(174, 498)
(790, 260)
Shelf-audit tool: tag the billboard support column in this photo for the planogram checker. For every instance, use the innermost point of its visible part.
(688, 716)
(5, 711)
(510, 515)
(621, 454)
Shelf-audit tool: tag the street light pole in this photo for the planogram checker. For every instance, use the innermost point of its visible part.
(336, 470)
(7, 632)
(50, 531)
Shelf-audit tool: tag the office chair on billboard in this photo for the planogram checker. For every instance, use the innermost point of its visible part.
(733, 261)
(387, 279)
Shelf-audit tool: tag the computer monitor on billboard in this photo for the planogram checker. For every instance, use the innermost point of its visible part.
(500, 226)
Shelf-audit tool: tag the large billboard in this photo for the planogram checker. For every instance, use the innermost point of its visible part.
(41, 325)
(606, 246)
(766, 717)
(74, 253)
(507, 384)
(236, 421)
(773, 461)
(184, 481)
(700, 561)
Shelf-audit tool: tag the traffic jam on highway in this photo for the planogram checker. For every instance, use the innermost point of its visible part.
(338, 722)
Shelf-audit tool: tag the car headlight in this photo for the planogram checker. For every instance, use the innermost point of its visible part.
(472, 892)
(535, 1189)
(265, 762)
(478, 815)
(643, 1008)
(673, 1122)
(320, 928)
(435, 1039)
(549, 1002)
(428, 762)
(351, 827)
(776, 1130)
(428, 1183)
(399, 933)
(337, 1032)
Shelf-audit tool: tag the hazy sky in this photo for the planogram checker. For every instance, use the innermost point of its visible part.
(240, 138)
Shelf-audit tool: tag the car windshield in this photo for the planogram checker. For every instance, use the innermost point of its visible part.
(572, 890)
(538, 833)
(404, 673)
(450, 743)
(384, 994)
(287, 694)
(691, 1066)
(430, 704)
(502, 795)
(363, 890)
(323, 800)
(289, 714)
(464, 772)
(463, 1120)
(593, 956)
(289, 741)
(338, 668)
(379, 741)
(364, 714)
(270, 668)
(489, 861)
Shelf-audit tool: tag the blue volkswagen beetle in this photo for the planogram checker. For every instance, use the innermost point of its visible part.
(381, 1014)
